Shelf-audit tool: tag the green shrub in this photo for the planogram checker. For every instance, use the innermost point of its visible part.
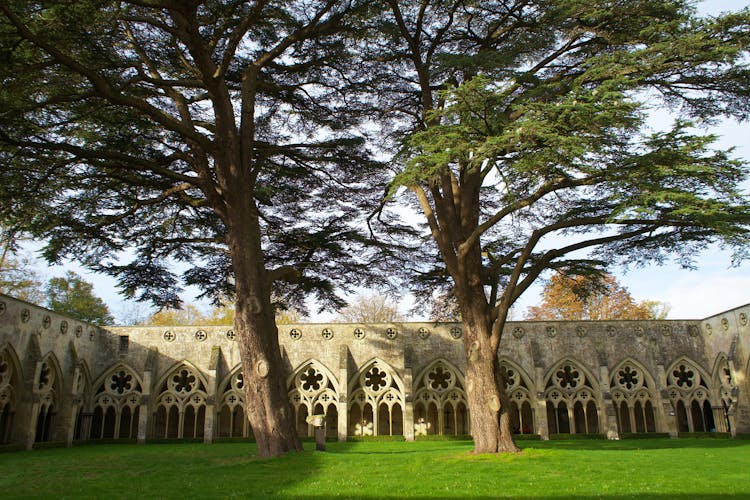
(705, 435)
(644, 435)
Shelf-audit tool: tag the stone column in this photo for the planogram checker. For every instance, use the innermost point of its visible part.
(77, 403)
(208, 419)
(540, 415)
(143, 411)
(408, 423)
(665, 412)
(29, 430)
(343, 403)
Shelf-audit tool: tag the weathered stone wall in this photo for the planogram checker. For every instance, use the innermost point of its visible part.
(63, 380)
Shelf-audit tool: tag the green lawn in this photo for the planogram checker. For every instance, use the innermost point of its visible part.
(663, 468)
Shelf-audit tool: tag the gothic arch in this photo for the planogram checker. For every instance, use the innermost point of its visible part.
(48, 388)
(232, 419)
(116, 404)
(689, 389)
(633, 391)
(440, 405)
(723, 397)
(376, 400)
(518, 386)
(571, 392)
(82, 401)
(11, 383)
(313, 390)
(180, 403)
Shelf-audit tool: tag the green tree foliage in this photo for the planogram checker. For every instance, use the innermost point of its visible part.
(19, 279)
(74, 297)
(17, 275)
(526, 148)
(218, 133)
(591, 297)
(187, 315)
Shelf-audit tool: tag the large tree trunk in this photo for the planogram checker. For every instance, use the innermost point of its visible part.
(485, 389)
(266, 400)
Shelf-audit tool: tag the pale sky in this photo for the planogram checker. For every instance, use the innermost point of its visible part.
(713, 288)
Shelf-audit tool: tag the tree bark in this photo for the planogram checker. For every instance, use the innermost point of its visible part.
(485, 389)
(266, 400)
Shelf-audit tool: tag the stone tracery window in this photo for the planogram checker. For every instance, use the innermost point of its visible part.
(572, 405)
(377, 401)
(724, 384)
(117, 403)
(314, 391)
(232, 420)
(689, 393)
(440, 401)
(181, 405)
(632, 399)
(521, 410)
(47, 392)
(8, 385)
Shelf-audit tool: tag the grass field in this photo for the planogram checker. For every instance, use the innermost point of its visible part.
(651, 468)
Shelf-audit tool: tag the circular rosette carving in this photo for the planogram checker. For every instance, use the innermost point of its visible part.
(121, 382)
(183, 381)
(456, 332)
(455, 396)
(440, 379)
(423, 333)
(375, 380)
(584, 395)
(629, 378)
(519, 396)
(568, 377)
(510, 376)
(425, 396)
(197, 400)
(327, 397)
(105, 400)
(684, 376)
(168, 400)
(238, 381)
(311, 381)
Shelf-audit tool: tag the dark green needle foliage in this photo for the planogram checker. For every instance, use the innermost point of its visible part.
(523, 139)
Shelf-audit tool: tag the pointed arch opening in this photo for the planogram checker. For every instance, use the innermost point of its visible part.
(377, 400)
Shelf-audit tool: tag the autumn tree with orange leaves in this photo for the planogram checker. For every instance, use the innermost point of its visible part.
(591, 298)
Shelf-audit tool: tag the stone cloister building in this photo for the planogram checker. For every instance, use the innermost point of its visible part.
(63, 380)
